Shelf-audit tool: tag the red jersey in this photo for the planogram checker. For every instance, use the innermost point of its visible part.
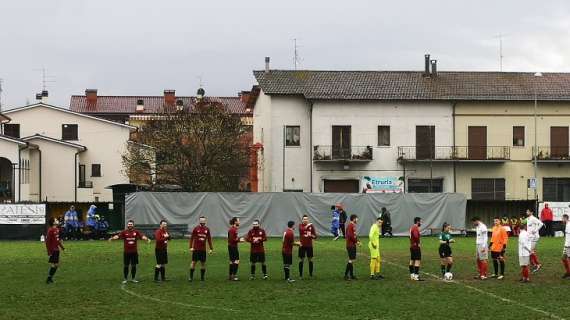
(161, 236)
(233, 238)
(546, 214)
(288, 240)
(200, 235)
(415, 236)
(307, 233)
(53, 243)
(256, 236)
(351, 238)
(130, 238)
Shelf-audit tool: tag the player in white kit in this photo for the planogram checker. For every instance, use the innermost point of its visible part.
(533, 226)
(481, 243)
(566, 251)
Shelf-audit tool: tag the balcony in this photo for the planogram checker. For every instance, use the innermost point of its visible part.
(85, 184)
(458, 153)
(552, 154)
(330, 154)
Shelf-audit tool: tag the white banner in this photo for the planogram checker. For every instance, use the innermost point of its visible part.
(558, 209)
(22, 213)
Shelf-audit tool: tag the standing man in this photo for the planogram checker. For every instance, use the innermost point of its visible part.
(533, 226)
(198, 239)
(130, 237)
(415, 250)
(386, 222)
(374, 247)
(351, 243)
(256, 236)
(161, 237)
(335, 223)
(524, 253)
(53, 244)
(481, 246)
(307, 234)
(547, 217)
(233, 252)
(287, 251)
(566, 250)
(498, 246)
(71, 222)
(342, 219)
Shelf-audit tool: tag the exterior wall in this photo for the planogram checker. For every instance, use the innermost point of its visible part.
(9, 150)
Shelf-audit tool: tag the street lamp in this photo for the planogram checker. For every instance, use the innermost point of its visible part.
(535, 151)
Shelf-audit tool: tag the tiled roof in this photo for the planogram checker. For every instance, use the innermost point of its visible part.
(413, 85)
(152, 104)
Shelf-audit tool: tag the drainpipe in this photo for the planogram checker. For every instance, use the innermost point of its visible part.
(40, 174)
(75, 165)
(453, 148)
(311, 144)
(284, 139)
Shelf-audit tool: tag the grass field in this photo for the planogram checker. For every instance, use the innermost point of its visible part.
(88, 285)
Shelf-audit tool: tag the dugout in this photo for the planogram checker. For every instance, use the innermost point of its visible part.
(488, 209)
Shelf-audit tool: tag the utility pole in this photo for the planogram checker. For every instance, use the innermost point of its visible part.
(535, 149)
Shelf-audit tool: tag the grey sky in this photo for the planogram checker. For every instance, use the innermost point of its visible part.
(130, 47)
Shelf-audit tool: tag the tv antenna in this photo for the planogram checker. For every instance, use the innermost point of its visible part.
(500, 36)
(46, 78)
(296, 56)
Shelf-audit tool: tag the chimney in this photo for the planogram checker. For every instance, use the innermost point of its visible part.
(434, 68)
(140, 106)
(267, 59)
(426, 70)
(91, 95)
(169, 98)
(244, 96)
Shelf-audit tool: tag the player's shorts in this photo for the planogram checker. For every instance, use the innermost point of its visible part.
(54, 258)
(566, 251)
(445, 251)
(161, 255)
(257, 257)
(524, 261)
(130, 258)
(305, 252)
(533, 244)
(233, 253)
(482, 252)
(496, 255)
(351, 253)
(287, 259)
(199, 255)
(415, 254)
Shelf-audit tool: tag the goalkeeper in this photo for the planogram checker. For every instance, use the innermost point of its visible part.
(374, 246)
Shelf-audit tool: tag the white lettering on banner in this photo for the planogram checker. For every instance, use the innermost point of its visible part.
(22, 214)
(558, 209)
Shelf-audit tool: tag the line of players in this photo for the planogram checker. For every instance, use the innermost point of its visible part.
(256, 236)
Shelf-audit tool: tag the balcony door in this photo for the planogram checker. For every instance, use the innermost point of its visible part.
(559, 142)
(341, 142)
(81, 175)
(477, 143)
(425, 142)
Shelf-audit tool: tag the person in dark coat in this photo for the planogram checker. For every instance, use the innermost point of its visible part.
(386, 222)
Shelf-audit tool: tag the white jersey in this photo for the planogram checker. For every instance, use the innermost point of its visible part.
(482, 235)
(524, 244)
(533, 226)
(567, 235)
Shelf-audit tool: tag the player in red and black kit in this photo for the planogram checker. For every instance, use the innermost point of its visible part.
(415, 250)
(130, 237)
(53, 244)
(256, 236)
(307, 234)
(233, 252)
(160, 252)
(351, 243)
(287, 251)
(198, 239)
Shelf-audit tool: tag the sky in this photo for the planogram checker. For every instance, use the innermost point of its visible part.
(142, 47)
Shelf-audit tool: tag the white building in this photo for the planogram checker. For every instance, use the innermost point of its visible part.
(48, 153)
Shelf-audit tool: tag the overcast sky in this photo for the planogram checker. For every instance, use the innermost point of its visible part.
(141, 47)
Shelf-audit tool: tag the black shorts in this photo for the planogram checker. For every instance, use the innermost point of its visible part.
(234, 253)
(496, 255)
(415, 254)
(255, 257)
(445, 251)
(287, 259)
(130, 258)
(161, 256)
(54, 258)
(305, 252)
(199, 256)
(351, 253)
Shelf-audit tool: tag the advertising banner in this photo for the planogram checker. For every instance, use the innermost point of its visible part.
(382, 185)
(22, 214)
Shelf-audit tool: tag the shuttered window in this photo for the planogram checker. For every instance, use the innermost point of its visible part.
(12, 130)
(383, 136)
(518, 136)
(488, 189)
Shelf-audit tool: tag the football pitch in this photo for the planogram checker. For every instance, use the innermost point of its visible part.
(88, 285)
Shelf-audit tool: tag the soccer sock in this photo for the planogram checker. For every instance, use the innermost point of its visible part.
(484, 267)
(417, 270)
(51, 272)
(536, 261)
(525, 272)
(496, 266)
(191, 273)
(156, 272)
(502, 267)
(236, 267)
(566, 264)
(231, 269)
(311, 268)
(264, 269)
(125, 272)
(378, 265)
(480, 267)
(253, 269)
(372, 266)
(301, 268)
(442, 269)
(163, 273)
(202, 274)
(133, 271)
(347, 270)
(286, 269)
(351, 270)
(448, 269)
(411, 267)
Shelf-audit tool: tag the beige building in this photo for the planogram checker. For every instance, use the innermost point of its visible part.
(52, 154)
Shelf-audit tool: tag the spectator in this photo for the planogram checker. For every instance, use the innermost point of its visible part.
(546, 216)
(91, 220)
(71, 224)
(386, 222)
(343, 217)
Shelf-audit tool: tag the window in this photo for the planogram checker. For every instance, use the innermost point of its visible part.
(488, 189)
(383, 136)
(556, 189)
(69, 132)
(95, 170)
(292, 136)
(12, 130)
(424, 186)
(518, 136)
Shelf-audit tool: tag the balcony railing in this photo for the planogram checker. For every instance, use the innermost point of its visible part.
(552, 153)
(458, 153)
(330, 153)
(85, 184)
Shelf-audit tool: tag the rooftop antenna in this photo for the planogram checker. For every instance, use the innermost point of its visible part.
(46, 78)
(296, 56)
(1, 81)
(500, 36)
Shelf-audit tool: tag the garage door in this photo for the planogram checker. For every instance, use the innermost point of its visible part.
(341, 186)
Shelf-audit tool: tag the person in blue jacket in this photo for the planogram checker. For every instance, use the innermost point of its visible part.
(335, 223)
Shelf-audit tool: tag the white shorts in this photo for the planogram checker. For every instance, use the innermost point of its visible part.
(524, 261)
(533, 244)
(566, 252)
(482, 252)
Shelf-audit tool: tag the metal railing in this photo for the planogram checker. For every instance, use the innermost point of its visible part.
(85, 184)
(552, 153)
(457, 153)
(330, 153)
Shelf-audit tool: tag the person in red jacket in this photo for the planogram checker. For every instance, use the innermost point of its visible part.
(53, 244)
(161, 237)
(351, 243)
(257, 236)
(547, 217)
(307, 234)
(200, 235)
